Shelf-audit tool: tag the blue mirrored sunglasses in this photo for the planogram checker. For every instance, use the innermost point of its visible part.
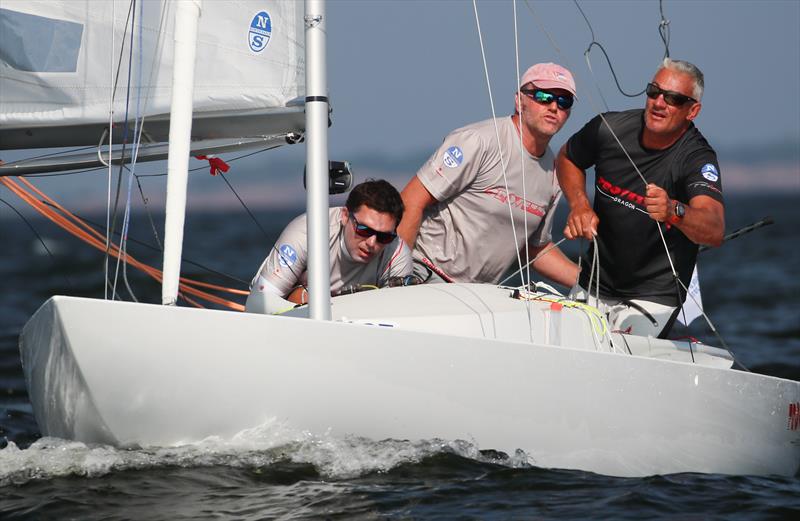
(563, 101)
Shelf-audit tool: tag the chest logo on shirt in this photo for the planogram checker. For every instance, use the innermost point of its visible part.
(516, 201)
(453, 157)
(286, 255)
(620, 195)
(709, 171)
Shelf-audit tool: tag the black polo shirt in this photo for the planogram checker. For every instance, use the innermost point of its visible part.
(633, 263)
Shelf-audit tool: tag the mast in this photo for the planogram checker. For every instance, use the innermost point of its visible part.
(319, 275)
(187, 17)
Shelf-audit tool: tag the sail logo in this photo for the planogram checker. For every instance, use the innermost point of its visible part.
(260, 31)
(794, 416)
(286, 255)
(453, 157)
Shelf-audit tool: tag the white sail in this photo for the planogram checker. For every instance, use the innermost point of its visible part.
(56, 63)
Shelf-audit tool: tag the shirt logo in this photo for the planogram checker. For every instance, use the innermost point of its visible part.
(260, 31)
(286, 255)
(453, 157)
(709, 171)
(620, 195)
(516, 201)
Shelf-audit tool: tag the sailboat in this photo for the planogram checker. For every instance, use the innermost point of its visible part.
(508, 369)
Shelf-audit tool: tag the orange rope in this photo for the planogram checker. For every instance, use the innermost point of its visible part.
(83, 231)
(214, 286)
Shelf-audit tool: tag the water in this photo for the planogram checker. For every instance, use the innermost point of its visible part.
(750, 289)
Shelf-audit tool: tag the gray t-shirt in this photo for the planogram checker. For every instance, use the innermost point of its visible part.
(285, 267)
(468, 234)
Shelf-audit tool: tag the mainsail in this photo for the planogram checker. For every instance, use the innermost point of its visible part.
(60, 76)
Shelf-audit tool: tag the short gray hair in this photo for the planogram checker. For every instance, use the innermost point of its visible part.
(686, 68)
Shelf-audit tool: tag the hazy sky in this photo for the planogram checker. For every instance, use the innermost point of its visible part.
(403, 74)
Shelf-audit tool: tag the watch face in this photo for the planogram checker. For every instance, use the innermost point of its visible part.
(679, 209)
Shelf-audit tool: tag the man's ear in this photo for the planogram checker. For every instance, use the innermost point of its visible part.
(694, 111)
(345, 214)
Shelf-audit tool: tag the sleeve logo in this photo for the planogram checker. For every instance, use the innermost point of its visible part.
(453, 157)
(709, 171)
(286, 255)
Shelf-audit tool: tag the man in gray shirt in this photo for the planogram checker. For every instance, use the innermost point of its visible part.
(365, 250)
(459, 207)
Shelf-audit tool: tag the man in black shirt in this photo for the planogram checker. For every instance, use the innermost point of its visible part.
(682, 190)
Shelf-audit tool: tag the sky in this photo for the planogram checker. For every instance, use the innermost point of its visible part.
(403, 74)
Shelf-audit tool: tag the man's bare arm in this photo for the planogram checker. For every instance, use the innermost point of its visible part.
(703, 223)
(582, 221)
(555, 265)
(415, 198)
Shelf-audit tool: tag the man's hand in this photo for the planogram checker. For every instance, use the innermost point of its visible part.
(581, 222)
(658, 203)
(298, 295)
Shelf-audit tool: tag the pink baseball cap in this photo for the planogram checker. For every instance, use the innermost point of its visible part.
(549, 76)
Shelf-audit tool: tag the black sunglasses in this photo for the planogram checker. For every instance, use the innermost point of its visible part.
(676, 99)
(563, 101)
(362, 230)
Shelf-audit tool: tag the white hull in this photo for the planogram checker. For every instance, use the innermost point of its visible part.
(137, 374)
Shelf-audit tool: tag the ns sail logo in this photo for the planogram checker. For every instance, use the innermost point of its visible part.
(260, 31)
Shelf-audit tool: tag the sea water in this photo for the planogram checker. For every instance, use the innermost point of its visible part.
(273, 471)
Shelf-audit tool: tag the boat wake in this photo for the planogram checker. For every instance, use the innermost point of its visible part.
(270, 444)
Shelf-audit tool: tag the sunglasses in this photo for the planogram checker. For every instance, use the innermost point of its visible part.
(563, 101)
(362, 230)
(675, 99)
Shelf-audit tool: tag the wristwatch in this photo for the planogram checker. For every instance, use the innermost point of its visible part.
(678, 212)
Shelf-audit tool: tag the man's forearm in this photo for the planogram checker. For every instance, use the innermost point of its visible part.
(415, 199)
(703, 223)
(572, 181)
(555, 265)
(409, 226)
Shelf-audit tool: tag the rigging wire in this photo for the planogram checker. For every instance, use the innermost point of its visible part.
(50, 154)
(162, 174)
(39, 238)
(145, 202)
(68, 221)
(158, 247)
(138, 129)
(540, 255)
(253, 217)
(665, 37)
(527, 278)
(137, 138)
(663, 23)
(496, 130)
(110, 174)
(111, 218)
(132, 18)
(663, 31)
(141, 111)
(521, 148)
